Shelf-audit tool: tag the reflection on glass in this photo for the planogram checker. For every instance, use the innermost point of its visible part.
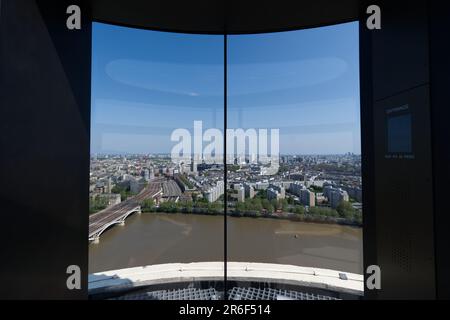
(157, 186)
(147, 208)
(305, 84)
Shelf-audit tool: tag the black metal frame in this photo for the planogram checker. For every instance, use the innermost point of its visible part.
(42, 44)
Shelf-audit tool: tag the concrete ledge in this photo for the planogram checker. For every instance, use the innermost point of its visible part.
(237, 271)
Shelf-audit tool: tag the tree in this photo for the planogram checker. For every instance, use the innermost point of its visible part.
(299, 210)
(123, 190)
(257, 205)
(324, 212)
(97, 203)
(188, 206)
(265, 203)
(275, 204)
(345, 210)
(147, 205)
(316, 188)
(240, 207)
(284, 204)
(262, 194)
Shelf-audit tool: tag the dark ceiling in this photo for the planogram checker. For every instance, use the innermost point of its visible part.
(231, 17)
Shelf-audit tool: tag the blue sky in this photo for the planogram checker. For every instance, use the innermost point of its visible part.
(146, 83)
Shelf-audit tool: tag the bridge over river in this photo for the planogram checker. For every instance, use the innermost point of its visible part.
(102, 220)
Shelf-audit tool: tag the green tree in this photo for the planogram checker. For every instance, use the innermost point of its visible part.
(265, 203)
(97, 203)
(147, 205)
(345, 210)
(240, 207)
(189, 205)
(262, 194)
(323, 212)
(123, 190)
(284, 204)
(299, 210)
(257, 205)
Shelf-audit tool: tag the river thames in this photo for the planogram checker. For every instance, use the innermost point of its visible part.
(151, 238)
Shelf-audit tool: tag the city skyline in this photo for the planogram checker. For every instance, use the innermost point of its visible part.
(168, 154)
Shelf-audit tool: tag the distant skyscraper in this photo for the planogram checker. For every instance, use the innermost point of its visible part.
(193, 166)
(108, 186)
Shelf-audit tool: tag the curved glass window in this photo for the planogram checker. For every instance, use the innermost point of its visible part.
(149, 90)
(290, 199)
(303, 87)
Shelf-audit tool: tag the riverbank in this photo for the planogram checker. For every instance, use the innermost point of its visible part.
(307, 218)
(257, 207)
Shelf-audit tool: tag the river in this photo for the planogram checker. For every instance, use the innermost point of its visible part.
(151, 238)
